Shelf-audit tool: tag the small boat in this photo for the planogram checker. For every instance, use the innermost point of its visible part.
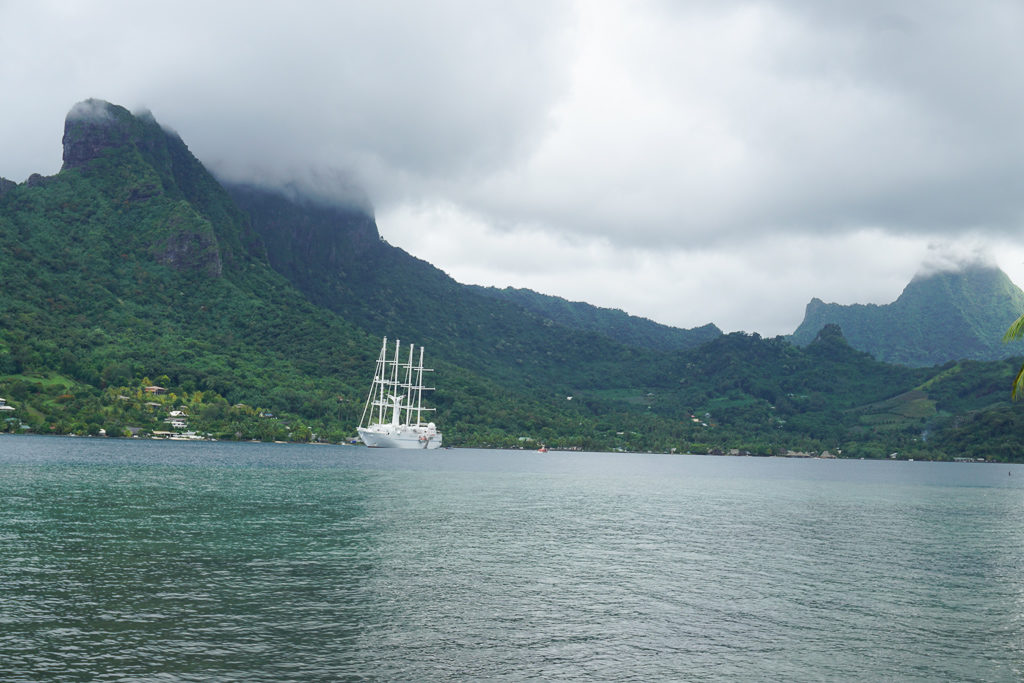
(393, 413)
(542, 449)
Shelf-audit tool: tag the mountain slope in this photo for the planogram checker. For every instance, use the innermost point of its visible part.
(134, 261)
(614, 324)
(760, 394)
(941, 317)
(133, 265)
(336, 257)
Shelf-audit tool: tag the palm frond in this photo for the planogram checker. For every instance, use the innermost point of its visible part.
(1016, 330)
(1018, 385)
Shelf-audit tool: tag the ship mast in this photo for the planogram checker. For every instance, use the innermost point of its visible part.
(408, 385)
(390, 390)
(377, 388)
(419, 390)
(395, 398)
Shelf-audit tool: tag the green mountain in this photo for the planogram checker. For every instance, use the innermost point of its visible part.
(132, 263)
(612, 323)
(939, 317)
(335, 256)
(756, 394)
(259, 315)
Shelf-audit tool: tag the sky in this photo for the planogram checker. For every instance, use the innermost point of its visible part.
(689, 161)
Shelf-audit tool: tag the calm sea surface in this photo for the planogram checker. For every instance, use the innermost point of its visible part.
(168, 561)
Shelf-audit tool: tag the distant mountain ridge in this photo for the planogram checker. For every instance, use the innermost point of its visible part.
(335, 256)
(612, 323)
(940, 317)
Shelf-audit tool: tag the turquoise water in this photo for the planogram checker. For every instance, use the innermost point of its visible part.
(170, 561)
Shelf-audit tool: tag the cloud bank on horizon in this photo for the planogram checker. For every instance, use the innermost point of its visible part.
(691, 162)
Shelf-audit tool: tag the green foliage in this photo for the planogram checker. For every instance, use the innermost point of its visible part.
(1015, 332)
(941, 317)
(613, 324)
(134, 267)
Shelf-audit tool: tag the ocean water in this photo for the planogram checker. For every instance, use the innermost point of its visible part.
(173, 561)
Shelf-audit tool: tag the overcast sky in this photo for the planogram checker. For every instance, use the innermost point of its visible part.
(690, 162)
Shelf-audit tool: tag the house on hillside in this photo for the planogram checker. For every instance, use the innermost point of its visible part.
(155, 390)
(4, 406)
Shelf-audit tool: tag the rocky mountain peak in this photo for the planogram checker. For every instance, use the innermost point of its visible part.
(92, 127)
(138, 164)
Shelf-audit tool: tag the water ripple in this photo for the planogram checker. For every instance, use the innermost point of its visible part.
(129, 561)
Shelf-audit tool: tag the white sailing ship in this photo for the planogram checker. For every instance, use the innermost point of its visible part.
(393, 414)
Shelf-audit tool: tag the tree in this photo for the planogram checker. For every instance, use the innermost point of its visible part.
(1016, 331)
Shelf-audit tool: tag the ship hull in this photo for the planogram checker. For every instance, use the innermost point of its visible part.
(388, 436)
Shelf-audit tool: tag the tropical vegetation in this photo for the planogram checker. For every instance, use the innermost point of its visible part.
(141, 296)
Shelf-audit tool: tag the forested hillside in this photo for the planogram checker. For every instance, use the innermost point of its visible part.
(943, 316)
(614, 324)
(138, 294)
(133, 263)
(133, 267)
(335, 256)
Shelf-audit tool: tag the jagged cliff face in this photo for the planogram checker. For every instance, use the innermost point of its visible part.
(184, 218)
(303, 234)
(93, 128)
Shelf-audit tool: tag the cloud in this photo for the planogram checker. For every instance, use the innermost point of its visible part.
(676, 123)
(89, 110)
(714, 124)
(397, 94)
(955, 256)
(760, 285)
(580, 139)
